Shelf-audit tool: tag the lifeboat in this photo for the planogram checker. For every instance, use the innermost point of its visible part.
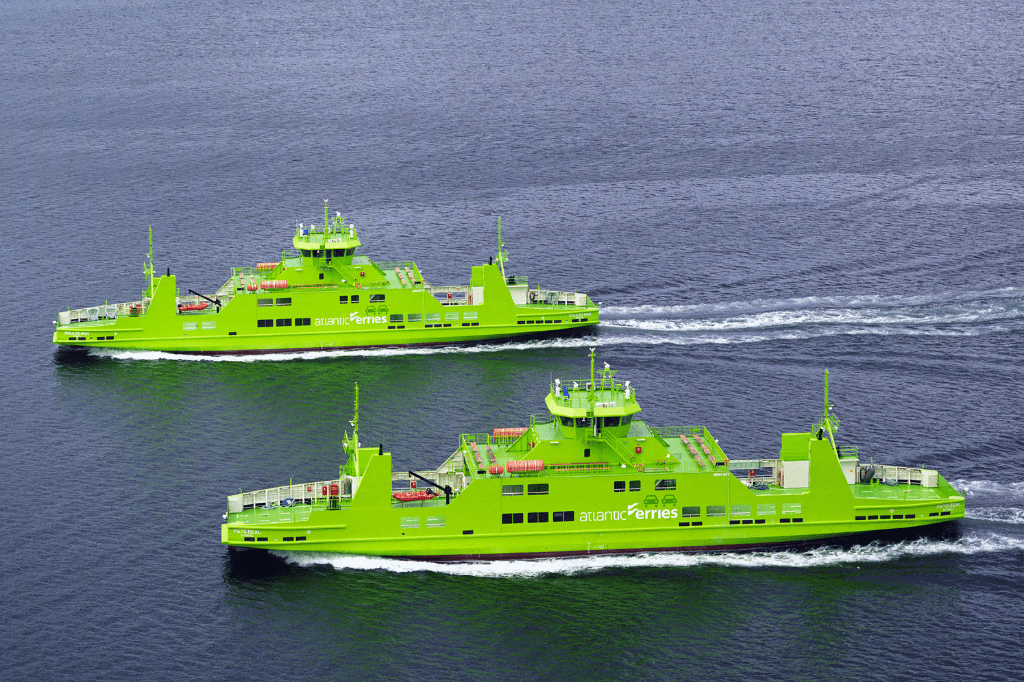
(413, 495)
(192, 306)
(510, 432)
(522, 465)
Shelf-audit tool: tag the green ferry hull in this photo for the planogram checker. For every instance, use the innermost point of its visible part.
(380, 533)
(327, 298)
(578, 486)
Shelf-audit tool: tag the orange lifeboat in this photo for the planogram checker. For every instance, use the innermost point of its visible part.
(192, 306)
(413, 495)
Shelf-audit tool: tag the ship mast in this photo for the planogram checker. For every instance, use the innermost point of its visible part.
(147, 268)
(829, 421)
(502, 253)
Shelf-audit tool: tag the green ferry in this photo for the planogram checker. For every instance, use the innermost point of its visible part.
(590, 477)
(324, 296)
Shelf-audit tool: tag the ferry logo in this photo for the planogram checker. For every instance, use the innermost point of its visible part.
(632, 510)
(651, 513)
(353, 318)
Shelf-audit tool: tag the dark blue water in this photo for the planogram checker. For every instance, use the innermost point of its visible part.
(754, 191)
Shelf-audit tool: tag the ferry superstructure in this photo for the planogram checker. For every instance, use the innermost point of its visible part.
(324, 296)
(591, 477)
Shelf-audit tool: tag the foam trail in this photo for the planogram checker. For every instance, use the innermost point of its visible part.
(1012, 515)
(818, 302)
(873, 553)
(995, 489)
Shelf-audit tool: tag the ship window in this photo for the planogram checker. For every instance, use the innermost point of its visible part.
(566, 421)
(665, 484)
(791, 508)
(435, 522)
(741, 510)
(376, 298)
(410, 522)
(537, 489)
(517, 518)
(264, 323)
(415, 317)
(302, 321)
(354, 299)
(307, 253)
(716, 510)
(286, 322)
(283, 301)
(263, 302)
(511, 490)
(433, 317)
(506, 518)
(187, 326)
(451, 316)
(620, 486)
(687, 512)
(765, 509)
(398, 317)
(206, 325)
(469, 315)
(634, 486)
(568, 516)
(343, 299)
(582, 422)
(611, 421)
(626, 420)
(537, 517)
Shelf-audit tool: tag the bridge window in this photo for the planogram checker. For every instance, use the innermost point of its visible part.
(582, 422)
(566, 421)
(611, 421)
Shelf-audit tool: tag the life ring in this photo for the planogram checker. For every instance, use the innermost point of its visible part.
(533, 297)
(640, 467)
